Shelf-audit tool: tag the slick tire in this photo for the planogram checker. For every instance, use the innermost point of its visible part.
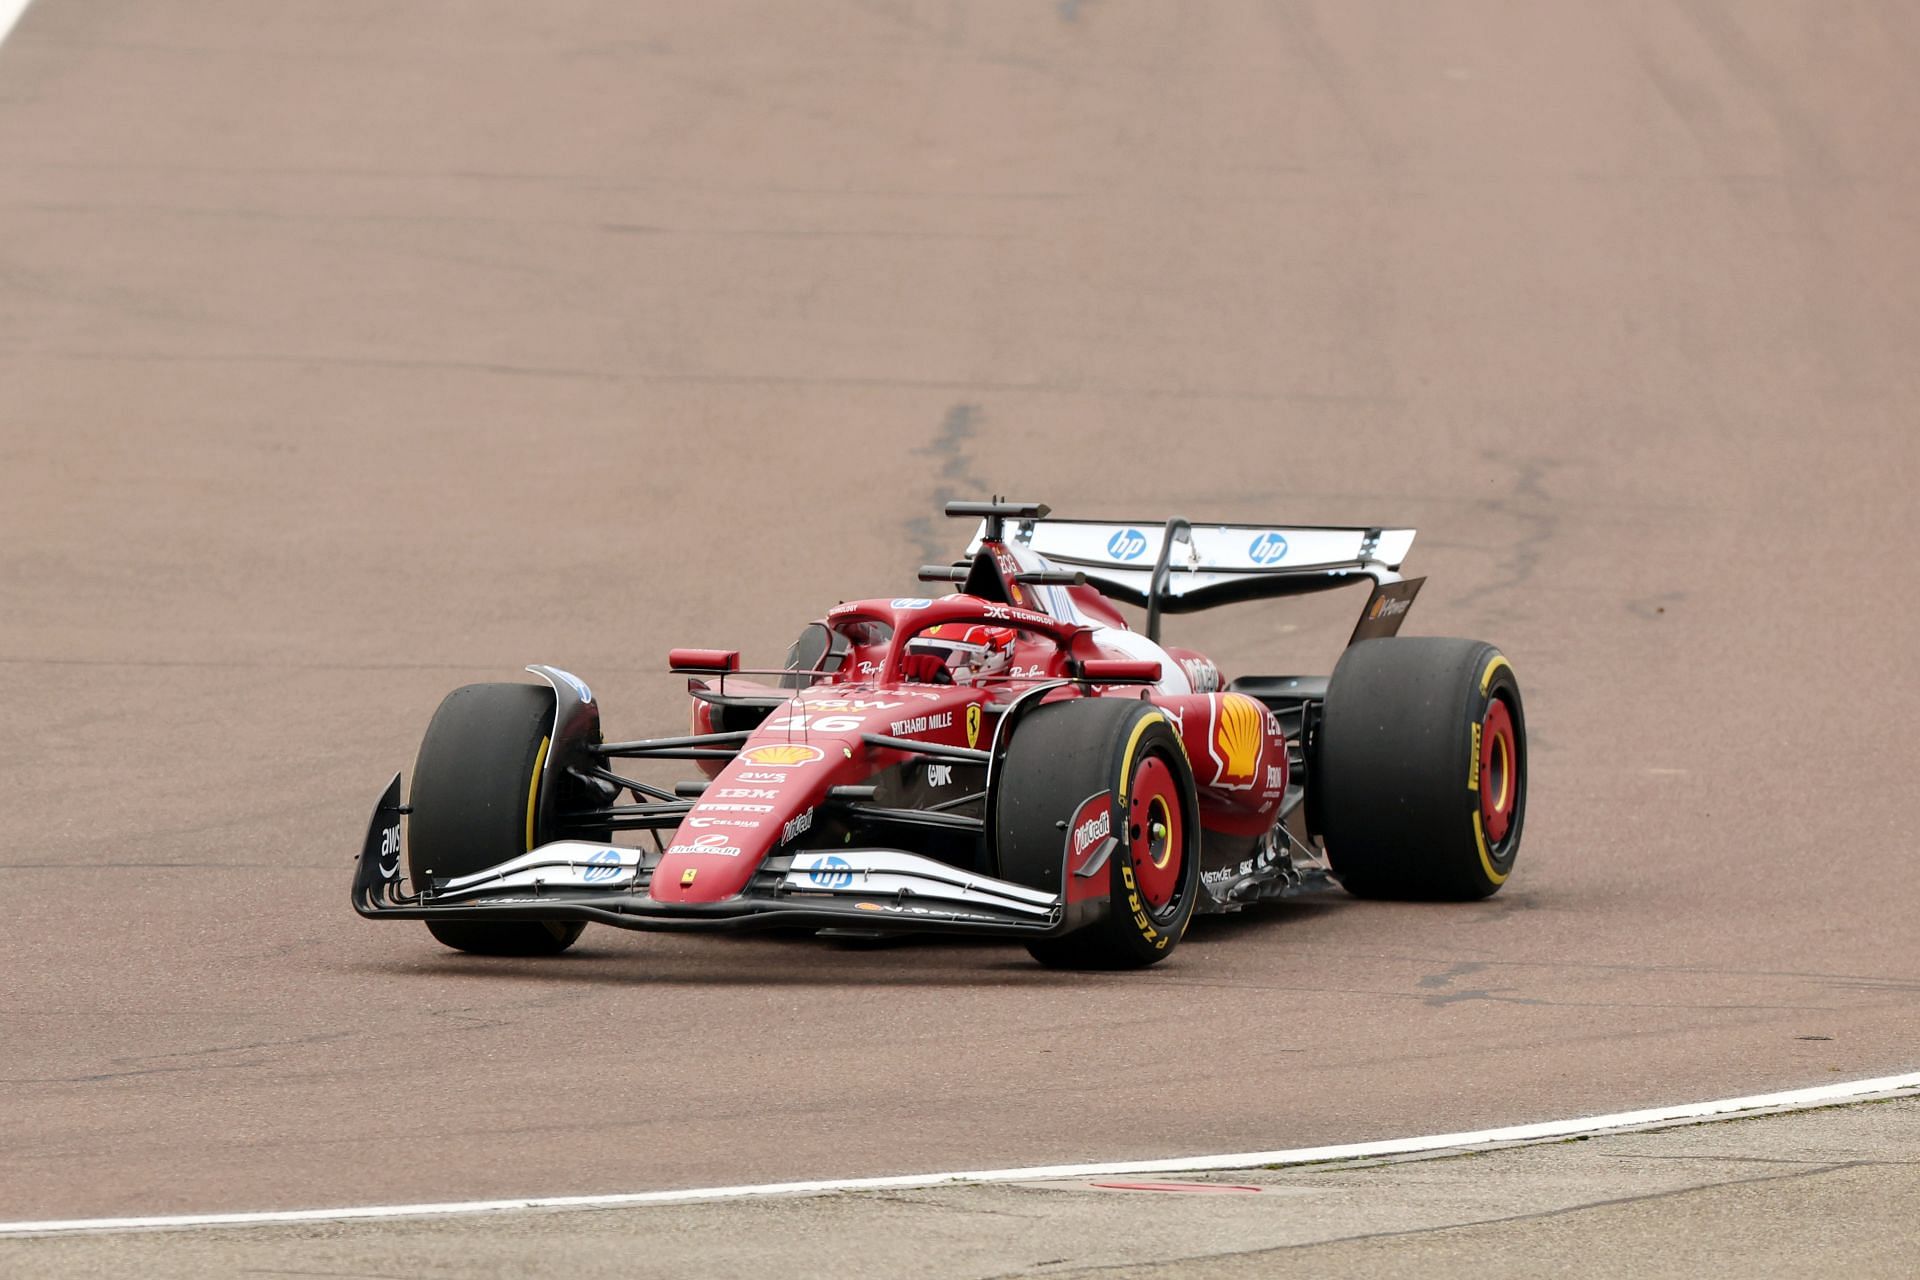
(1116, 759)
(1421, 769)
(476, 802)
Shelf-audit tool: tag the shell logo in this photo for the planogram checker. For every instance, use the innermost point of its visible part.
(1237, 738)
(783, 754)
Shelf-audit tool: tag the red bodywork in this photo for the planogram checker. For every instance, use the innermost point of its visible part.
(768, 797)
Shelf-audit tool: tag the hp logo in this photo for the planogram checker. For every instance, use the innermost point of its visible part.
(1268, 548)
(832, 872)
(604, 865)
(1128, 544)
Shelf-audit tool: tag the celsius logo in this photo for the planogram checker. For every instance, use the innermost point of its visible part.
(1128, 544)
(604, 865)
(1268, 548)
(832, 872)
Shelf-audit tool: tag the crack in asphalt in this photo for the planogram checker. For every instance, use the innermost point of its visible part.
(1446, 977)
(1528, 503)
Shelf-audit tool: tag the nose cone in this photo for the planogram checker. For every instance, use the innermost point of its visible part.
(769, 795)
(765, 796)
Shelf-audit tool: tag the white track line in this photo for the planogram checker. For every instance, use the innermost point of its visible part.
(10, 11)
(1790, 1100)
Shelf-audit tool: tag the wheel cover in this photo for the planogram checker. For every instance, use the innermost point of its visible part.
(1155, 838)
(1499, 772)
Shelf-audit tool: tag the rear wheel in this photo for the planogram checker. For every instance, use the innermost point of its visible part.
(1421, 769)
(477, 802)
(1089, 770)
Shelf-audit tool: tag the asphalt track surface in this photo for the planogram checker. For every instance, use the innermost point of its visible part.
(350, 352)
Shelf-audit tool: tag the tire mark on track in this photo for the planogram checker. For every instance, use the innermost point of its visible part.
(1808, 151)
(954, 479)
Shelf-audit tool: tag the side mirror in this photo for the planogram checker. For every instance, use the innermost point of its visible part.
(708, 661)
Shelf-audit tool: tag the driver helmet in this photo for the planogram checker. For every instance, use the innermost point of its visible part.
(968, 651)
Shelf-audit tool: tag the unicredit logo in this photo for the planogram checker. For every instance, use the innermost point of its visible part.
(1094, 828)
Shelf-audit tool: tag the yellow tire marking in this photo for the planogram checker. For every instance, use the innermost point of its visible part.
(1126, 761)
(533, 788)
(1479, 832)
(1486, 859)
(1148, 932)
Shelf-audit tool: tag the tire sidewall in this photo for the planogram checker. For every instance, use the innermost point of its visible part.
(1396, 775)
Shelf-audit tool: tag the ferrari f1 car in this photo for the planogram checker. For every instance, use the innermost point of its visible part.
(1011, 759)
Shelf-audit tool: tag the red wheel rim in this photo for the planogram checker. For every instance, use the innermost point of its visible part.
(1154, 835)
(1499, 775)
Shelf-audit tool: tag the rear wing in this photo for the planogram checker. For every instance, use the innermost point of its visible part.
(1181, 566)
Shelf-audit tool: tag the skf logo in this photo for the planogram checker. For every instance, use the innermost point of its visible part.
(1128, 544)
(1268, 548)
(973, 724)
(790, 753)
(1237, 734)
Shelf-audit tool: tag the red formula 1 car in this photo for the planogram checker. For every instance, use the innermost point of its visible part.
(1011, 759)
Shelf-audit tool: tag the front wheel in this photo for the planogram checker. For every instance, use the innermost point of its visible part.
(1080, 773)
(476, 803)
(1421, 769)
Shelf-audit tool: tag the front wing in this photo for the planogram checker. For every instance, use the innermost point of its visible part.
(865, 889)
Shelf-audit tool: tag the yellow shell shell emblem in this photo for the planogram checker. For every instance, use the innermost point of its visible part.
(791, 753)
(1238, 735)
